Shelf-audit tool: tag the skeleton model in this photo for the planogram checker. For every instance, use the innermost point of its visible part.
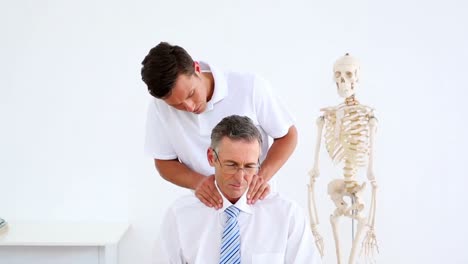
(349, 139)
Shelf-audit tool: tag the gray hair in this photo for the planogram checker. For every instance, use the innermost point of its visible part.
(236, 128)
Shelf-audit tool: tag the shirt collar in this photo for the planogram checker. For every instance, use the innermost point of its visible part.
(220, 90)
(241, 204)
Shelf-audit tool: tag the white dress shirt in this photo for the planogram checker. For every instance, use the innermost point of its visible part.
(174, 134)
(273, 230)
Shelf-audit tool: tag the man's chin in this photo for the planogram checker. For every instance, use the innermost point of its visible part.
(236, 194)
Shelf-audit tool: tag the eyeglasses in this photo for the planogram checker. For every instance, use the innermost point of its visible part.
(233, 168)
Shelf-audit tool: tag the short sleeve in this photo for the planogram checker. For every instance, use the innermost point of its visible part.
(157, 143)
(272, 114)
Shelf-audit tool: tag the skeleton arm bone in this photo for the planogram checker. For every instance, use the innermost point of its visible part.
(369, 244)
(314, 173)
(370, 169)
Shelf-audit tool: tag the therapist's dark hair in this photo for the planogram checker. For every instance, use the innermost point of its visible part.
(235, 128)
(161, 67)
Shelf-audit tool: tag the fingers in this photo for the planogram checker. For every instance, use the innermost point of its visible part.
(207, 193)
(265, 192)
(217, 197)
(262, 191)
(213, 193)
(252, 189)
(258, 189)
(203, 199)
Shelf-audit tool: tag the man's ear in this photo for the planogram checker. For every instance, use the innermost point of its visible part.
(197, 66)
(211, 157)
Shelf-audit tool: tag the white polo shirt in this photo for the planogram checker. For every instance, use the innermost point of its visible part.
(273, 230)
(173, 133)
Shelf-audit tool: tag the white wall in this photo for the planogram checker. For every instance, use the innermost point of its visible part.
(72, 107)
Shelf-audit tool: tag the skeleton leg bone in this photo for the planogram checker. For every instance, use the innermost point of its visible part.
(336, 190)
(334, 223)
(360, 231)
(362, 221)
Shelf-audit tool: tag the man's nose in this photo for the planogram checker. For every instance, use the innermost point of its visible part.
(239, 175)
(189, 106)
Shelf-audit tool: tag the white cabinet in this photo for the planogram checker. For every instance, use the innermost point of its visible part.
(61, 243)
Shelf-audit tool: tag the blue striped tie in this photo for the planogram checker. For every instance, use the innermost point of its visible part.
(230, 242)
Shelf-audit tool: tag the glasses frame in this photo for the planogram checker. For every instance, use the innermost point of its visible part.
(237, 167)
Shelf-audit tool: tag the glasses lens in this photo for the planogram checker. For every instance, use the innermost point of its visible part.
(232, 169)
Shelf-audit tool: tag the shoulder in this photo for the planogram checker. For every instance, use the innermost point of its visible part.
(368, 109)
(236, 78)
(159, 109)
(278, 203)
(157, 106)
(251, 78)
(329, 109)
(186, 203)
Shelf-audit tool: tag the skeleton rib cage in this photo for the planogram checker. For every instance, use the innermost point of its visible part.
(347, 137)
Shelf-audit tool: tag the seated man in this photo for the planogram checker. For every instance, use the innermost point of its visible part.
(273, 230)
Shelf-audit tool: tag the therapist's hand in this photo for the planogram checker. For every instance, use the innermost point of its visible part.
(208, 194)
(258, 189)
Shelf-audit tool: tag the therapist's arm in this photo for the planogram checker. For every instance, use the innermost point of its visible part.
(181, 175)
(277, 155)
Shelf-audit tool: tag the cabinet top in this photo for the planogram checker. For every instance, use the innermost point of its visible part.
(61, 233)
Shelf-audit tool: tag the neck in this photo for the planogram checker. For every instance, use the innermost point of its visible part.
(350, 101)
(232, 200)
(208, 83)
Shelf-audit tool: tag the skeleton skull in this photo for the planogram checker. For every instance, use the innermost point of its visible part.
(346, 70)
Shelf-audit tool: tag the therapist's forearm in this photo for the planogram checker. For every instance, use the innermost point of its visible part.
(278, 154)
(179, 174)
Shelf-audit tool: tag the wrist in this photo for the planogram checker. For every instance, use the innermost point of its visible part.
(263, 173)
(198, 180)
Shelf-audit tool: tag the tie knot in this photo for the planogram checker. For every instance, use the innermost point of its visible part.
(232, 211)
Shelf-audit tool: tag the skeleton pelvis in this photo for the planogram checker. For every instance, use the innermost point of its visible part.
(339, 188)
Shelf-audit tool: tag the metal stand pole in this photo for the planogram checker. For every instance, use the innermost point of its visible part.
(354, 213)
